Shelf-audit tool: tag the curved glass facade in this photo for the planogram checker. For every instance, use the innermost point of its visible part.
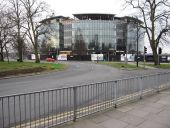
(95, 34)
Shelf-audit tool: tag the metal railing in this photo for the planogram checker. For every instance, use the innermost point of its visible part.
(53, 107)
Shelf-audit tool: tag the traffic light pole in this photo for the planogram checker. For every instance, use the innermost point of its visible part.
(144, 60)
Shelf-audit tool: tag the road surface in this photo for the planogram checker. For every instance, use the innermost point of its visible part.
(77, 73)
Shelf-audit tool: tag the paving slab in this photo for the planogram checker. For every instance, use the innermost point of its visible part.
(116, 114)
(165, 102)
(99, 118)
(113, 123)
(130, 126)
(132, 120)
(152, 124)
(139, 113)
(151, 109)
(167, 107)
(165, 113)
(156, 105)
(159, 119)
(125, 108)
(85, 124)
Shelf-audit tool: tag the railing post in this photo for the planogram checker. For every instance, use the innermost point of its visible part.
(115, 94)
(2, 107)
(168, 81)
(74, 103)
(141, 86)
(158, 76)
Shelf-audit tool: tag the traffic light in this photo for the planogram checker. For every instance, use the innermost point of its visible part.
(160, 50)
(145, 49)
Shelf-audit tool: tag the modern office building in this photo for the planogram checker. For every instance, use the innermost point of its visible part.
(95, 33)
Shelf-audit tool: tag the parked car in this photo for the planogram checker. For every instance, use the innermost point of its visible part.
(50, 59)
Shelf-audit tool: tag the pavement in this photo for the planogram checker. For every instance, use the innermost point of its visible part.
(150, 112)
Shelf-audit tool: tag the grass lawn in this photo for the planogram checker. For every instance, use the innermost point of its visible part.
(13, 68)
(162, 65)
(119, 65)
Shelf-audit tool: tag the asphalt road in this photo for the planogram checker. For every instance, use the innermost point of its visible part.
(77, 73)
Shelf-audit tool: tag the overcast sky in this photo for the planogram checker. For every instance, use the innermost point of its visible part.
(69, 7)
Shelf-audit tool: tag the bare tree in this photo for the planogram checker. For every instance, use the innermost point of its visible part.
(1, 28)
(156, 17)
(5, 31)
(18, 20)
(34, 10)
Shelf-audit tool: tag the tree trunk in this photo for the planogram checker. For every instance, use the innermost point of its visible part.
(154, 51)
(20, 47)
(1, 55)
(37, 59)
(155, 57)
(1, 52)
(7, 54)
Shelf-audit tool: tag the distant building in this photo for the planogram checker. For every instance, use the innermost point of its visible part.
(95, 33)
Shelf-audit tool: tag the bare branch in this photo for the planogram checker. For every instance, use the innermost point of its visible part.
(34, 9)
(156, 17)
